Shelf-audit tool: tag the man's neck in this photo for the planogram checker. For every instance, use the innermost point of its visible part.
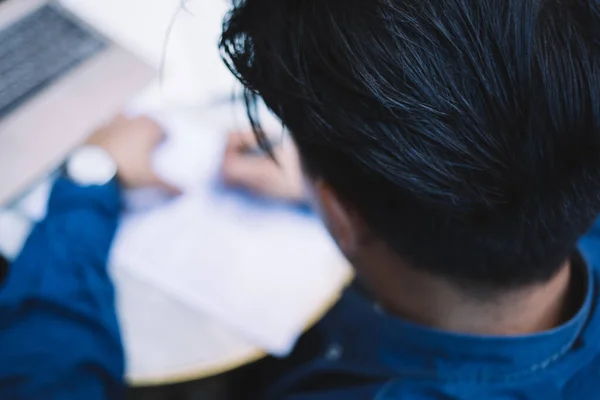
(432, 301)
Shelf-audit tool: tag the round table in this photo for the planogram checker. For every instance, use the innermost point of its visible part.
(167, 341)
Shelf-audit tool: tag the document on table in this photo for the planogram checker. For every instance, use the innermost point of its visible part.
(267, 270)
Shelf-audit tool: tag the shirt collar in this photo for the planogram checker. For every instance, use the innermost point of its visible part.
(370, 336)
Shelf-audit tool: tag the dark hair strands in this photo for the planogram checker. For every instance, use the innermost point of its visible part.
(466, 133)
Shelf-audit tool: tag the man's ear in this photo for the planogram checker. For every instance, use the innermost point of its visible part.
(337, 216)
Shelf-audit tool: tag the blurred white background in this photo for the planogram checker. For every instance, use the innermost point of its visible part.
(193, 71)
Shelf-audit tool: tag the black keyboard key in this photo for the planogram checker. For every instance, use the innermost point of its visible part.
(37, 50)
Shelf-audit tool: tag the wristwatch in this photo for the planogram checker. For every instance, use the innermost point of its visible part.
(90, 166)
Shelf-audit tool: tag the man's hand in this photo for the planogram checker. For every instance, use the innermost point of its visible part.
(131, 142)
(259, 173)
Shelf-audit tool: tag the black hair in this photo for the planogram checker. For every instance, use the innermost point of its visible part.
(465, 132)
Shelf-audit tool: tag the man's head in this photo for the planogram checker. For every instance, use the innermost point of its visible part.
(463, 134)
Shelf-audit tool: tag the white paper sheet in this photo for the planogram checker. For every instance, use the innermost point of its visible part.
(265, 269)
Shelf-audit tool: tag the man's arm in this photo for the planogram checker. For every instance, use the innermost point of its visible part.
(59, 336)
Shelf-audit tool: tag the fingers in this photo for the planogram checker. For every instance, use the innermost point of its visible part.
(160, 183)
(236, 162)
(245, 170)
(238, 143)
(148, 127)
(119, 119)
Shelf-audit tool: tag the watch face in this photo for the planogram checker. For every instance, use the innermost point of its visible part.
(91, 165)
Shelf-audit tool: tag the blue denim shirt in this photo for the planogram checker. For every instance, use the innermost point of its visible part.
(359, 352)
(59, 337)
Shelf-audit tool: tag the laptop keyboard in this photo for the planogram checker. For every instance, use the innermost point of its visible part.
(37, 50)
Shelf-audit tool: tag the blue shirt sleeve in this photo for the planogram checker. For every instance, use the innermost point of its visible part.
(59, 336)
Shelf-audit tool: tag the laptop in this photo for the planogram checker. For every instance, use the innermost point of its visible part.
(59, 80)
